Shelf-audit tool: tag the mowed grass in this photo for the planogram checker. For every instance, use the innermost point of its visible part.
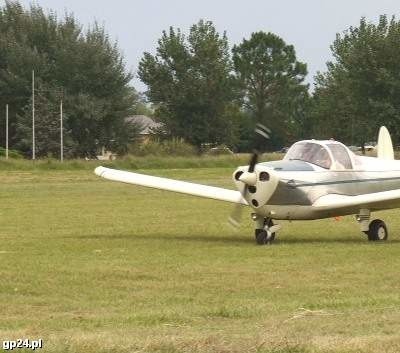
(95, 266)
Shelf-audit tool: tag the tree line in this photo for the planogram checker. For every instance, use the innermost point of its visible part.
(84, 69)
(203, 91)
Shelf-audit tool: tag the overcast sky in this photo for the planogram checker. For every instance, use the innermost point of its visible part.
(310, 25)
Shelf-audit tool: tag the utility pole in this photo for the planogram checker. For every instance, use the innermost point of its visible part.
(33, 115)
(6, 131)
(61, 133)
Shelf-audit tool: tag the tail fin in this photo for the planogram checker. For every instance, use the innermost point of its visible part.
(385, 147)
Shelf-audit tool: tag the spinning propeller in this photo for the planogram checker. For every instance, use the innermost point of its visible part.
(249, 177)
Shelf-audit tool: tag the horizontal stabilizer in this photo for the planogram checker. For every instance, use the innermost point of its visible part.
(179, 186)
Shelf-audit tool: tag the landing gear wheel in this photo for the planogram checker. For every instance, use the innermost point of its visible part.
(377, 231)
(262, 236)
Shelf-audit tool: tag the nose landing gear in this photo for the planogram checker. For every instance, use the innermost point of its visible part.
(265, 230)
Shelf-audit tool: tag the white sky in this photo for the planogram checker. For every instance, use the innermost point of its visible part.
(310, 25)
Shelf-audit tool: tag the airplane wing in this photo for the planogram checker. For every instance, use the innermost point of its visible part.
(183, 187)
(373, 201)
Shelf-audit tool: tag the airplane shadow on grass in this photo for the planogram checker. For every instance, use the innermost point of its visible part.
(238, 239)
(361, 240)
(167, 238)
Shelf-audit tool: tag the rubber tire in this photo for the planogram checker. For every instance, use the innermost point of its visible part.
(374, 229)
(261, 235)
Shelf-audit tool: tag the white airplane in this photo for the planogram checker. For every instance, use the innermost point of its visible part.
(316, 179)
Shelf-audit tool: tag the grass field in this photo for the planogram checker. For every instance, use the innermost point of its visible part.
(94, 266)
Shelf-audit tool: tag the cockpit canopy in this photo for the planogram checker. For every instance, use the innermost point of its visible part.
(325, 155)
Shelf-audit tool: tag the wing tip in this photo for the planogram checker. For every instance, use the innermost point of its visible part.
(99, 171)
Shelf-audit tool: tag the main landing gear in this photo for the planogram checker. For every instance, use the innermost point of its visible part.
(265, 229)
(375, 230)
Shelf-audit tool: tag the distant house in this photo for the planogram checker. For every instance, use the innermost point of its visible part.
(146, 125)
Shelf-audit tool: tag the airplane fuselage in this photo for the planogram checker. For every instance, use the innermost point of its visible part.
(300, 185)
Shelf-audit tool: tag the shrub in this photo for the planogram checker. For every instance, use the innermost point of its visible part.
(174, 147)
(11, 153)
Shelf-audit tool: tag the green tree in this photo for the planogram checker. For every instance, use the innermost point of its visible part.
(271, 80)
(64, 58)
(47, 125)
(141, 107)
(361, 89)
(189, 81)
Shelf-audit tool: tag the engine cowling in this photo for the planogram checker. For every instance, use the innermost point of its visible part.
(258, 186)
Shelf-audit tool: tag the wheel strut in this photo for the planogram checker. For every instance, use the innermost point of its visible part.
(265, 230)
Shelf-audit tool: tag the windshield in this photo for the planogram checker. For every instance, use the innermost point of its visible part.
(311, 153)
(341, 156)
